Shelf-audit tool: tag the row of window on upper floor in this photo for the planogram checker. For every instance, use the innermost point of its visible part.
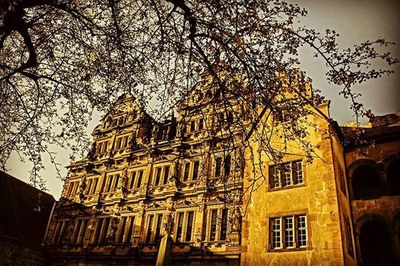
(194, 125)
(281, 176)
(121, 230)
(160, 176)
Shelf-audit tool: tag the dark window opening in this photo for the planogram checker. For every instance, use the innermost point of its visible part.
(366, 183)
(375, 244)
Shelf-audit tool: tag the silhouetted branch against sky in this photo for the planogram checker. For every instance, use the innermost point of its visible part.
(61, 60)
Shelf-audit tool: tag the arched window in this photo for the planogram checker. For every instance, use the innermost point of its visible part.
(366, 183)
(375, 243)
(393, 177)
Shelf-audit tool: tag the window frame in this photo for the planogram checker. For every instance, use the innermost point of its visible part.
(278, 177)
(282, 233)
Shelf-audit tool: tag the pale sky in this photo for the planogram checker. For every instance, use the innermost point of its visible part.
(355, 21)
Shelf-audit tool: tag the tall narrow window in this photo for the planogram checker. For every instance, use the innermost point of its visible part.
(157, 236)
(149, 229)
(186, 171)
(189, 227)
(213, 225)
(139, 181)
(276, 233)
(179, 229)
(302, 231)
(81, 232)
(218, 164)
(201, 123)
(94, 186)
(115, 182)
(224, 223)
(227, 165)
(166, 174)
(298, 172)
(132, 180)
(195, 170)
(289, 232)
(108, 183)
(193, 125)
(122, 225)
(158, 176)
(130, 226)
(287, 174)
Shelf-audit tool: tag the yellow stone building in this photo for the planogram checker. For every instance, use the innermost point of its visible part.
(187, 191)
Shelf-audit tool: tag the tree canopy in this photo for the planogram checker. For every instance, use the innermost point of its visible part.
(60, 60)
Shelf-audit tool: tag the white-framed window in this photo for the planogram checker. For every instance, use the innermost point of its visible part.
(184, 224)
(288, 232)
(286, 174)
(135, 179)
(217, 224)
(153, 227)
(161, 175)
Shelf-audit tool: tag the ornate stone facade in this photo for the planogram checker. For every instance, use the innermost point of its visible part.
(143, 180)
(182, 190)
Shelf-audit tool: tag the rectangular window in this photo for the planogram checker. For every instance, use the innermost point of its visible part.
(166, 174)
(179, 229)
(132, 180)
(186, 171)
(149, 229)
(158, 176)
(81, 232)
(227, 165)
(115, 182)
(157, 236)
(130, 223)
(121, 230)
(184, 226)
(213, 223)
(195, 170)
(286, 174)
(192, 125)
(288, 232)
(189, 227)
(201, 123)
(224, 224)
(276, 233)
(107, 186)
(101, 230)
(139, 181)
(298, 172)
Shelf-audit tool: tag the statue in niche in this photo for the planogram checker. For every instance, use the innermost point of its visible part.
(68, 233)
(122, 182)
(168, 219)
(112, 231)
(236, 219)
(81, 191)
